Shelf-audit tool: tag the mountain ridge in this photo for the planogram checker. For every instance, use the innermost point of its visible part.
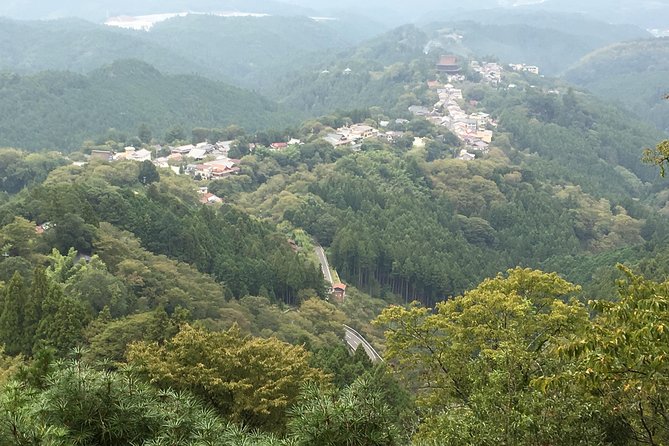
(59, 110)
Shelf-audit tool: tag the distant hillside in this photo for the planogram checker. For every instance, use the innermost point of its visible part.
(382, 67)
(553, 41)
(251, 50)
(633, 73)
(245, 51)
(60, 109)
(646, 13)
(78, 46)
(99, 10)
(375, 73)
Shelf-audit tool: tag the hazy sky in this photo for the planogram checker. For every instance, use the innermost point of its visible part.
(645, 13)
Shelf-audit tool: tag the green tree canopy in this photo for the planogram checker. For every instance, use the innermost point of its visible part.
(251, 380)
(623, 358)
(474, 359)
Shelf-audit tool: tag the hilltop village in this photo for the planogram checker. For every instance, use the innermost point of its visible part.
(474, 129)
(464, 118)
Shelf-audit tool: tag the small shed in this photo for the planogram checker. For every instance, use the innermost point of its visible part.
(339, 291)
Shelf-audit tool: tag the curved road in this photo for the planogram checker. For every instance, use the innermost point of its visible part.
(325, 266)
(354, 339)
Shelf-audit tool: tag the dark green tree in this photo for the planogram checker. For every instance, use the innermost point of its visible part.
(39, 290)
(71, 231)
(63, 322)
(11, 319)
(148, 173)
(174, 134)
(357, 416)
(200, 134)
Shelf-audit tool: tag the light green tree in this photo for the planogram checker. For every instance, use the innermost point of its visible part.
(474, 360)
(658, 156)
(251, 380)
(623, 358)
(18, 238)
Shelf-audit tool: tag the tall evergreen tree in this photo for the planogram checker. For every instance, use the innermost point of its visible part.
(32, 313)
(11, 319)
(63, 322)
(148, 173)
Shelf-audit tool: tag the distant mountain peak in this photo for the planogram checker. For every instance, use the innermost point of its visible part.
(128, 68)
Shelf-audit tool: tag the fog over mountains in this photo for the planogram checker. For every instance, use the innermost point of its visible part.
(645, 13)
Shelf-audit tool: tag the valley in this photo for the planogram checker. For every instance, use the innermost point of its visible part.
(317, 223)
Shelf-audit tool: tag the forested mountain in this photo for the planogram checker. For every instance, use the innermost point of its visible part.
(553, 41)
(419, 224)
(76, 45)
(155, 267)
(252, 51)
(255, 52)
(60, 110)
(632, 73)
(579, 24)
(184, 299)
(197, 307)
(382, 68)
(375, 73)
(247, 51)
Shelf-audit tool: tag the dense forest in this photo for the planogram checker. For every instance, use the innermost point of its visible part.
(517, 295)
(219, 50)
(307, 79)
(415, 222)
(59, 110)
(630, 73)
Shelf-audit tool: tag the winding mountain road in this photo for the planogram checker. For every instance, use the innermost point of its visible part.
(355, 339)
(325, 266)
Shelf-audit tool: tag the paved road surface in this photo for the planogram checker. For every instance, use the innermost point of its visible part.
(325, 266)
(354, 339)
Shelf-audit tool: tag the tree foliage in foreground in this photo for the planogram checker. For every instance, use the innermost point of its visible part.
(357, 416)
(250, 380)
(474, 360)
(80, 406)
(623, 358)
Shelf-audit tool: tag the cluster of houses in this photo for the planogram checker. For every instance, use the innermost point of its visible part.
(128, 153)
(215, 169)
(491, 72)
(351, 135)
(186, 159)
(524, 68)
(199, 151)
(188, 155)
(472, 129)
